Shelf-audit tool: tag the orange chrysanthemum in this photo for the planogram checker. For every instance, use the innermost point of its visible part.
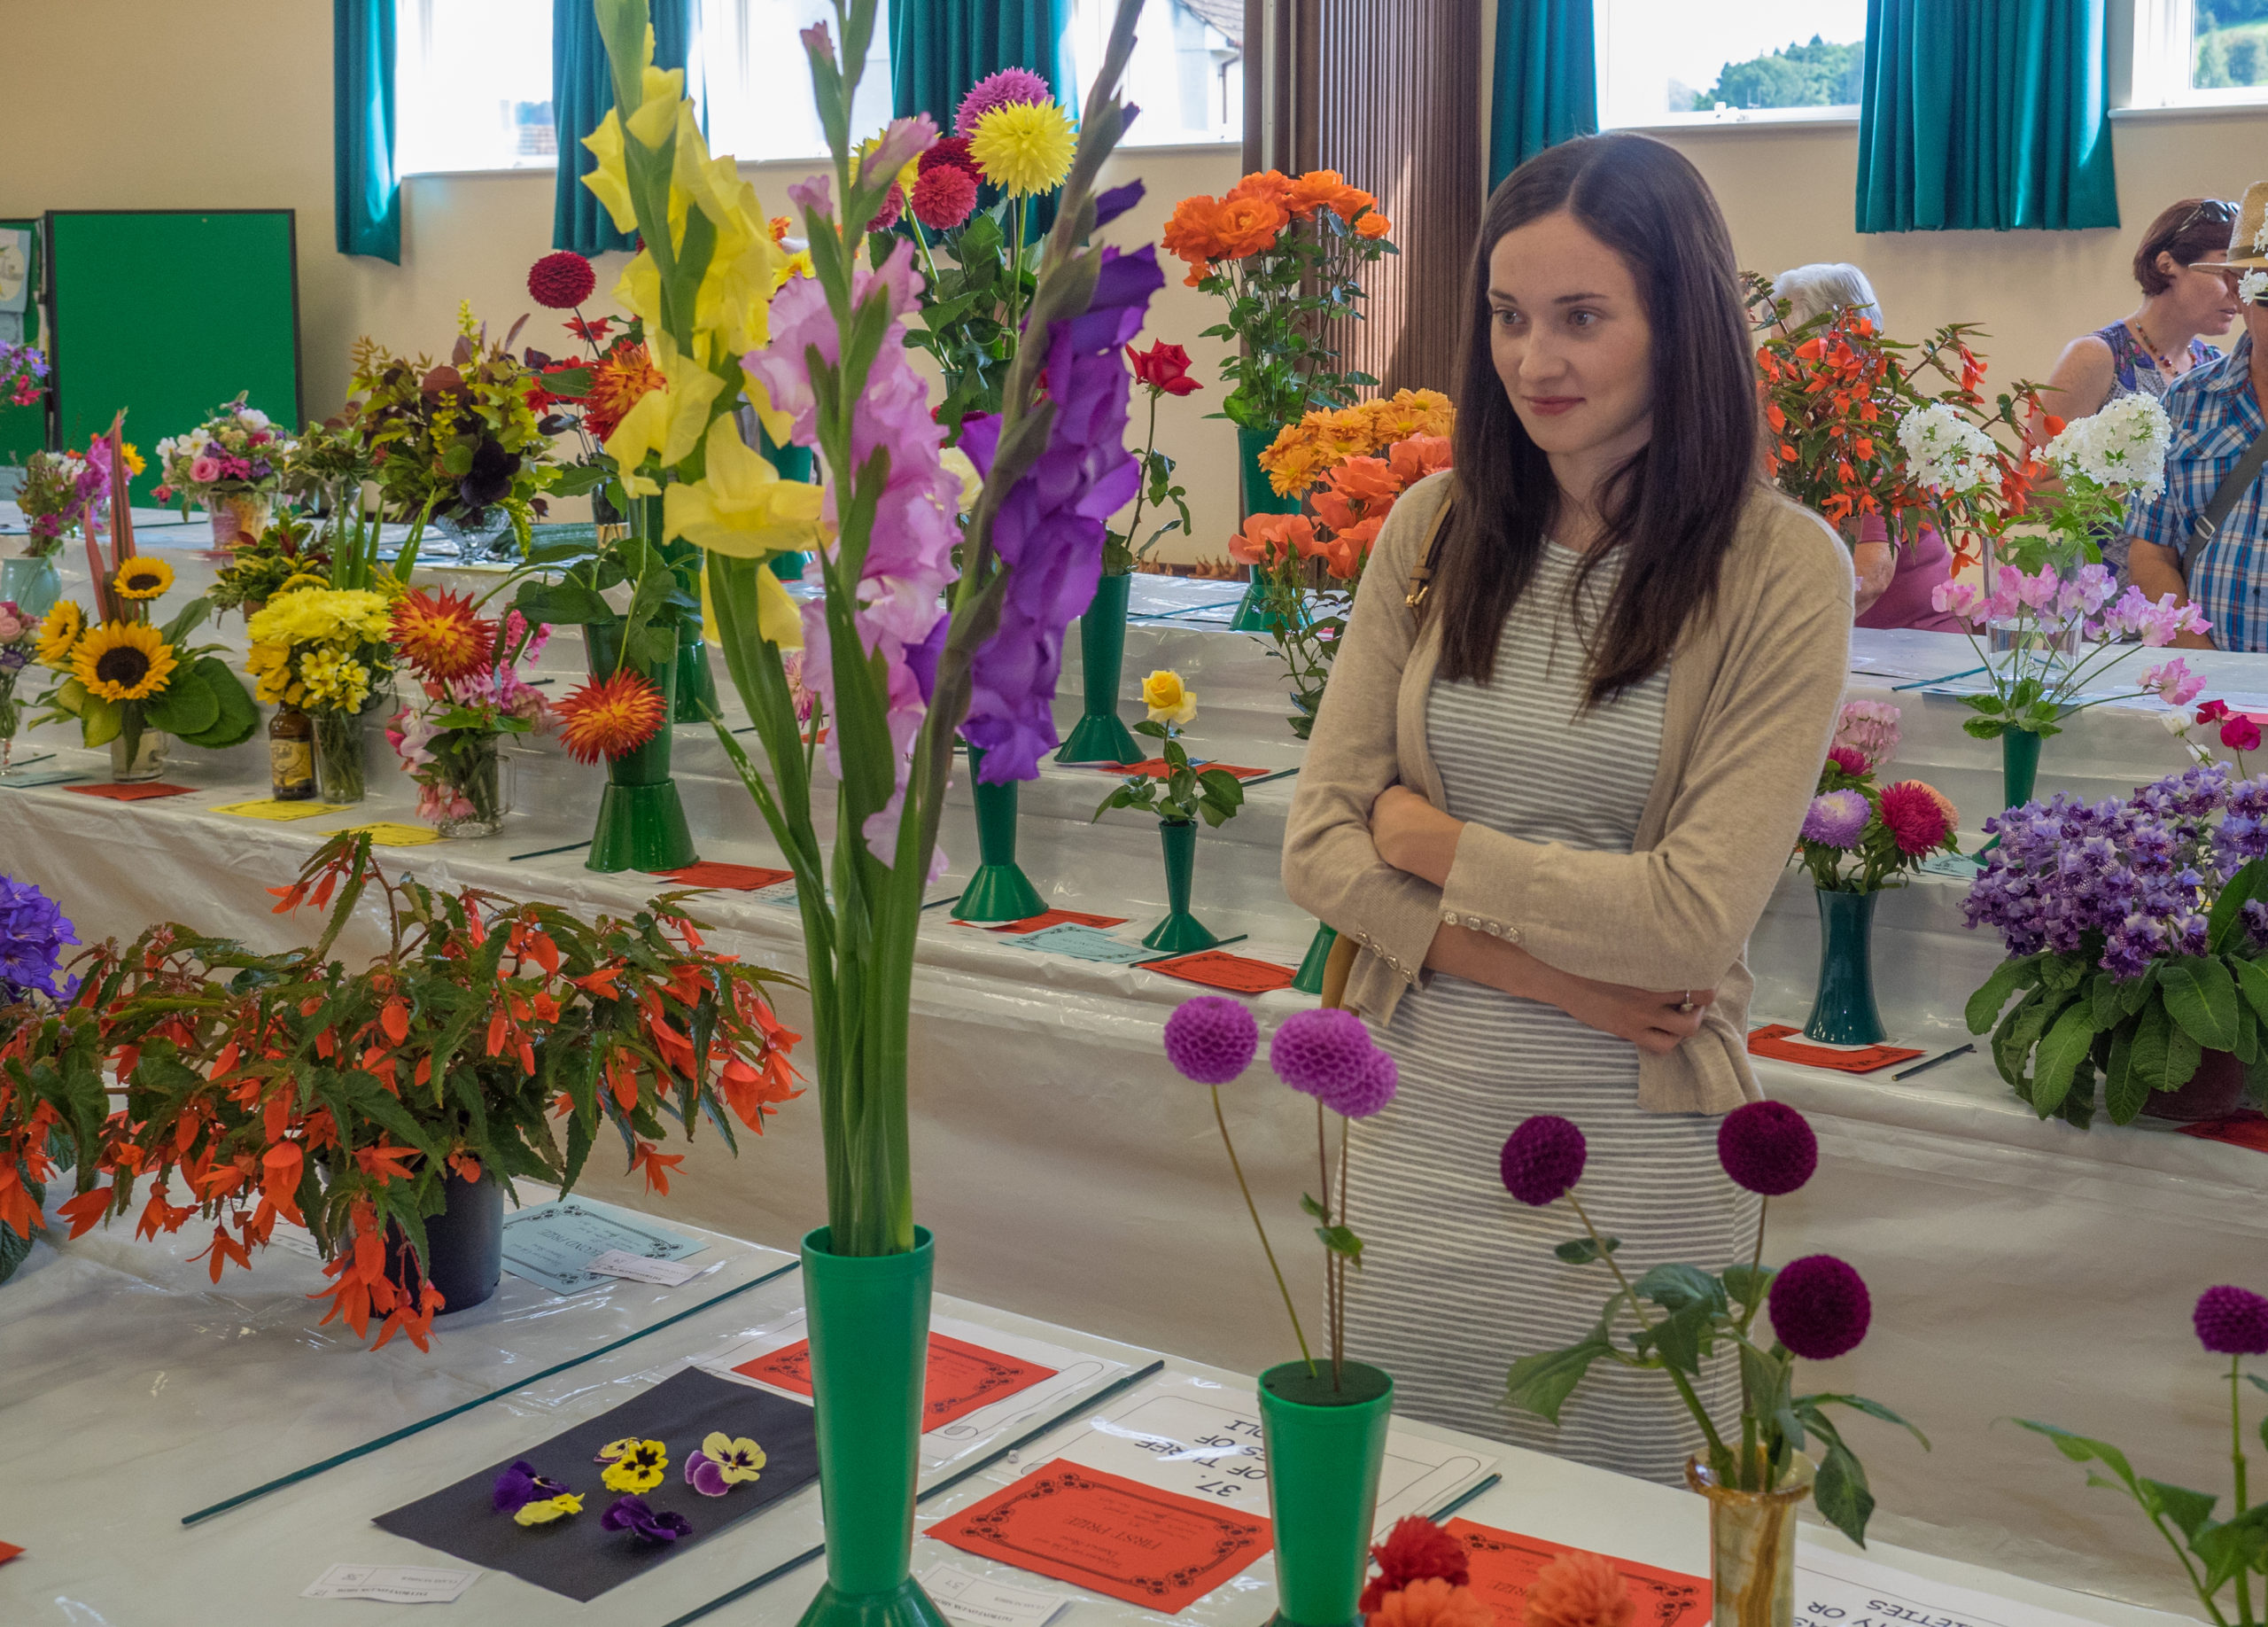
(1578, 1590)
(1433, 1601)
(621, 378)
(610, 717)
(437, 634)
(1248, 224)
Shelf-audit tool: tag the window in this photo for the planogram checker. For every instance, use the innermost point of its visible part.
(1711, 61)
(473, 85)
(2200, 51)
(1187, 74)
(758, 79)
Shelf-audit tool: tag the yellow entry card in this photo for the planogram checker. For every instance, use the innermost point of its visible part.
(386, 833)
(268, 808)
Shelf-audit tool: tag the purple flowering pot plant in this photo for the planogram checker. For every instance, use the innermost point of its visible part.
(2134, 931)
(1324, 1418)
(2219, 1557)
(51, 1076)
(1680, 1321)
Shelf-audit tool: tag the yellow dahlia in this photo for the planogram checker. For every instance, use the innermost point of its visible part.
(439, 634)
(123, 661)
(1024, 147)
(59, 634)
(610, 717)
(143, 578)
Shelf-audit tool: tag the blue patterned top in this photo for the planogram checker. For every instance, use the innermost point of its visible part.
(2216, 417)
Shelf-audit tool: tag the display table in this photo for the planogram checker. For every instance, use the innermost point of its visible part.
(133, 1391)
(2017, 1268)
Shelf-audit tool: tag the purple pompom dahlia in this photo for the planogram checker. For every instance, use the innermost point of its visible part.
(1367, 1091)
(1211, 1040)
(1543, 1160)
(1321, 1053)
(1767, 1147)
(2231, 1321)
(1820, 1307)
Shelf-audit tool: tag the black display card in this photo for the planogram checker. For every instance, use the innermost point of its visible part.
(577, 1557)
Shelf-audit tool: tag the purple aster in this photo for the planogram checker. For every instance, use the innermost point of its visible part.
(14, 658)
(1837, 818)
(1011, 84)
(1543, 1160)
(2231, 1321)
(1820, 1307)
(1048, 530)
(1767, 1147)
(631, 1513)
(1211, 1040)
(33, 931)
(1324, 1053)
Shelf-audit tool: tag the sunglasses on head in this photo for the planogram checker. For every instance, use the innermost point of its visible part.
(2219, 210)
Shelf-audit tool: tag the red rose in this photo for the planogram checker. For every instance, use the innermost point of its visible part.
(1164, 368)
(943, 197)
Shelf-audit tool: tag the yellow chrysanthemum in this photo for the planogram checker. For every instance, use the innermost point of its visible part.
(131, 458)
(334, 679)
(1024, 147)
(271, 666)
(123, 661)
(143, 578)
(322, 614)
(292, 584)
(59, 634)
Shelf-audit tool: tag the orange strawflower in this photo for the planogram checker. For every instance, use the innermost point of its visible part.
(1433, 1601)
(437, 634)
(619, 378)
(1578, 1590)
(610, 717)
(1249, 224)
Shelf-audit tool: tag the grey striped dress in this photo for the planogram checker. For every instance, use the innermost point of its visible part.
(1457, 1278)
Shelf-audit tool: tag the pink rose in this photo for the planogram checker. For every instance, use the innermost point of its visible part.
(205, 470)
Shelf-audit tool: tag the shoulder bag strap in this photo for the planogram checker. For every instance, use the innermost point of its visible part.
(1421, 578)
(2233, 486)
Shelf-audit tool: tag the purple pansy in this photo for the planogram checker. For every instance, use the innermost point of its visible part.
(632, 1514)
(519, 1485)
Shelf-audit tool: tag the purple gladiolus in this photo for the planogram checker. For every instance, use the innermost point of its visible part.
(1048, 530)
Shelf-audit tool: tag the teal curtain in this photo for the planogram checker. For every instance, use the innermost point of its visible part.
(940, 48)
(1546, 81)
(582, 92)
(1985, 114)
(366, 193)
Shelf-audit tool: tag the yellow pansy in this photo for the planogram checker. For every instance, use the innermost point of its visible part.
(1169, 699)
(668, 421)
(543, 1511)
(740, 507)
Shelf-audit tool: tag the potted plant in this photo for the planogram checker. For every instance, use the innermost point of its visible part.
(2133, 930)
(1179, 794)
(1324, 1419)
(232, 464)
(471, 695)
(1859, 839)
(1819, 1310)
(50, 1064)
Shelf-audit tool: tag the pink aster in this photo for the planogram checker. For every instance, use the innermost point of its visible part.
(1011, 84)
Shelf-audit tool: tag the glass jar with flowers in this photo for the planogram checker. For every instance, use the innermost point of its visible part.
(59, 491)
(1180, 794)
(232, 464)
(1860, 837)
(324, 651)
(450, 737)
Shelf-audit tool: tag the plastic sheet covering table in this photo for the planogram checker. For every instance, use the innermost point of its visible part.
(132, 1390)
(2017, 1269)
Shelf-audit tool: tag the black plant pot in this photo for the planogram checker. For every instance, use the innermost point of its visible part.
(464, 1246)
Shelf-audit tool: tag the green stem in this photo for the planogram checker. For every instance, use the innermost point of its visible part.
(1330, 1297)
(1282, 1287)
(1720, 1459)
(2236, 1458)
(1755, 1265)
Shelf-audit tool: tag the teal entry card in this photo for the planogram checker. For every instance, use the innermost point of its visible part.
(553, 1243)
(1081, 942)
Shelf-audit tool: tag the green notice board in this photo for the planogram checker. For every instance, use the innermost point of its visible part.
(169, 312)
(23, 429)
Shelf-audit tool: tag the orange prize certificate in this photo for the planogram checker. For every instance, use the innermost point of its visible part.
(961, 1378)
(1505, 1563)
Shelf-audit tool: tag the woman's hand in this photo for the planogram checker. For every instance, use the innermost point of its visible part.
(1412, 835)
(1874, 563)
(1651, 1019)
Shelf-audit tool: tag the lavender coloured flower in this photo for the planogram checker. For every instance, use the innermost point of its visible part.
(1543, 1160)
(1820, 1307)
(1050, 527)
(1837, 818)
(1010, 84)
(1767, 1147)
(632, 1514)
(33, 931)
(1322, 1053)
(1366, 1093)
(2231, 1321)
(1212, 1038)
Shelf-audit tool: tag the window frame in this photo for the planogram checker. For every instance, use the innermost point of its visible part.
(1727, 118)
(2164, 56)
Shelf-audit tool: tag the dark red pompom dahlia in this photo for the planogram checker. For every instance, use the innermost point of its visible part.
(562, 280)
(1414, 1550)
(2231, 1321)
(944, 198)
(1820, 1307)
(1544, 1159)
(1767, 1147)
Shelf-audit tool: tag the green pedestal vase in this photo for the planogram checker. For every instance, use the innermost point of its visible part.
(1100, 736)
(1325, 1448)
(869, 1321)
(1843, 1011)
(998, 890)
(1309, 979)
(1259, 498)
(1180, 932)
(697, 685)
(641, 823)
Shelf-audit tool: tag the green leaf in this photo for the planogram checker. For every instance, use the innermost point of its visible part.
(238, 717)
(1765, 1379)
(1309, 1206)
(2123, 1087)
(1341, 1241)
(2252, 983)
(1686, 1336)
(2062, 1051)
(1582, 1250)
(185, 706)
(1747, 1284)
(2153, 1030)
(1675, 1288)
(1541, 1383)
(2080, 1448)
(1872, 1409)
(2201, 996)
(100, 720)
(2188, 1510)
(1840, 1492)
(2226, 921)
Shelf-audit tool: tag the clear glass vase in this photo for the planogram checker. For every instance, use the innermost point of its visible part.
(147, 762)
(476, 791)
(338, 756)
(12, 718)
(1752, 1545)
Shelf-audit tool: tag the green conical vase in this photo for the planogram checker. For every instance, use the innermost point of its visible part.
(869, 1321)
(1326, 1449)
(1100, 736)
(998, 890)
(1259, 498)
(1309, 979)
(697, 685)
(1180, 932)
(641, 823)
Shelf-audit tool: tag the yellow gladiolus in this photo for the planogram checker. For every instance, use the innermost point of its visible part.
(610, 181)
(1169, 699)
(668, 421)
(741, 507)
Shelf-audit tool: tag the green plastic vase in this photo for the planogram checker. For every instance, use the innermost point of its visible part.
(697, 685)
(1180, 932)
(998, 890)
(869, 1321)
(1325, 1448)
(1842, 1010)
(641, 823)
(1099, 735)
(1259, 498)
(1308, 978)
(2019, 766)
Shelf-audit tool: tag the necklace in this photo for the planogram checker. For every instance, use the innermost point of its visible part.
(2162, 362)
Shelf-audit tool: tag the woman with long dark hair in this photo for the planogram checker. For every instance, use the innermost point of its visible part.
(1581, 710)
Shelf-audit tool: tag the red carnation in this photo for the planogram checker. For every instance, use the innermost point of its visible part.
(950, 153)
(1163, 367)
(1918, 817)
(562, 280)
(943, 197)
(1415, 1549)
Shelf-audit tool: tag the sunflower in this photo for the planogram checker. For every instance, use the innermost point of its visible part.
(143, 578)
(123, 661)
(1025, 147)
(59, 634)
(608, 717)
(437, 634)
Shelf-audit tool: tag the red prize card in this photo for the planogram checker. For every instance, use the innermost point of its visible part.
(961, 1376)
(728, 877)
(1233, 972)
(2241, 1129)
(1157, 1549)
(1054, 917)
(1505, 1564)
(8, 1551)
(1241, 774)
(1153, 767)
(132, 793)
(1774, 1042)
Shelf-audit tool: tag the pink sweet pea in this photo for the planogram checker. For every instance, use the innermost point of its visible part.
(2174, 683)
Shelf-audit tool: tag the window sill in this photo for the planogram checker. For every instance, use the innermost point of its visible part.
(1837, 121)
(2254, 109)
(546, 170)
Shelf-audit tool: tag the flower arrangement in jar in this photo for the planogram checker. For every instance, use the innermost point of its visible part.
(232, 464)
(325, 651)
(472, 694)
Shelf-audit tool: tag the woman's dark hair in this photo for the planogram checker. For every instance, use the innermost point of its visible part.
(2188, 231)
(1672, 508)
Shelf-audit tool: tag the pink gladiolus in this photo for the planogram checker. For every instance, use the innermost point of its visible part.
(905, 140)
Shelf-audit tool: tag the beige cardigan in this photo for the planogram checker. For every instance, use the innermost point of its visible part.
(1754, 687)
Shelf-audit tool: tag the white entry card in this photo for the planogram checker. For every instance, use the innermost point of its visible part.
(974, 1601)
(670, 1273)
(1841, 1590)
(393, 1584)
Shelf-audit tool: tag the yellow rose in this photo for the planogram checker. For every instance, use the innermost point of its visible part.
(1169, 699)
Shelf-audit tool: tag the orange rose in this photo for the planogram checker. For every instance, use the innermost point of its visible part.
(1349, 201)
(1345, 554)
(1353, 491)
(1272, 184)
(1430, 1601)
(1248, 225)
(1373, 225)
(1418, 456)
(1267, 538)
(1193, 233)
(1319, 189)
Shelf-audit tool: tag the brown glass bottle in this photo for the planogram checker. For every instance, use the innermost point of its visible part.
(291, 755)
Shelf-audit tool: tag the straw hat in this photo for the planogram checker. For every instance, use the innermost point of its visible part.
(2248, 243)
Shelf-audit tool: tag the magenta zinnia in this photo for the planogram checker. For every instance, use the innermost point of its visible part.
(610, 717)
